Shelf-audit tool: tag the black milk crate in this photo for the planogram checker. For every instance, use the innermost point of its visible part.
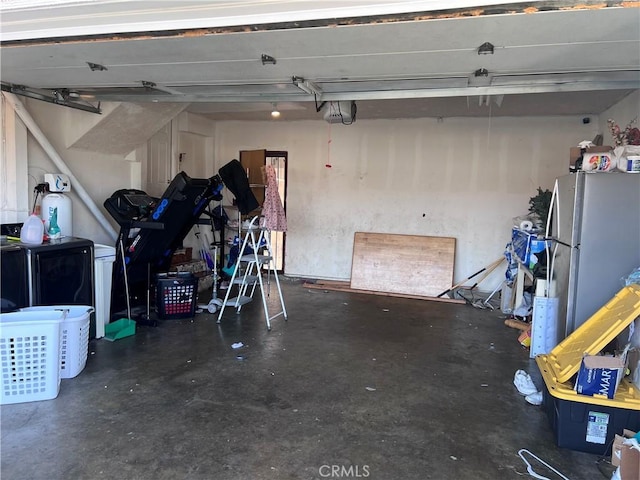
(176, 295)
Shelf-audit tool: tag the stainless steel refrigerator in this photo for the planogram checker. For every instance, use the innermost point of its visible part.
(596, 224)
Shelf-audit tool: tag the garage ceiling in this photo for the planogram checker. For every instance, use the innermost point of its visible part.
(233, 60)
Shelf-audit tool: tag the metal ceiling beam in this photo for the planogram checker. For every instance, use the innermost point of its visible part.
(488, 90)
(378, 94)
(56, 96)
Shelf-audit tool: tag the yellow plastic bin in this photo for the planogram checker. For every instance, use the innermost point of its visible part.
(581, 422)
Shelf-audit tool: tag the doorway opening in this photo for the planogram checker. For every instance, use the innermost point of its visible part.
(253, 161)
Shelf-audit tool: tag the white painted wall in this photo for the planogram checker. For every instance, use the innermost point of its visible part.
(195, 142)
(195, 136)
(464, 178)
(100, 174)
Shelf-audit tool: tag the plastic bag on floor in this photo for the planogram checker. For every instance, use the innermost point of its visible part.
(526, 307)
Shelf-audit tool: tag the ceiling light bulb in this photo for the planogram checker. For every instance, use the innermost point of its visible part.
(275, 113)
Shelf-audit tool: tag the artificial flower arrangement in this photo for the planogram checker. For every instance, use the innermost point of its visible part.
(629, 136)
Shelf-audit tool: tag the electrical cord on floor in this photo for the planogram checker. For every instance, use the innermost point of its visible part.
(530, 468)
(604, 464)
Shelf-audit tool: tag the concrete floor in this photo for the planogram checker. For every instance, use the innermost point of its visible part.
(352, 386)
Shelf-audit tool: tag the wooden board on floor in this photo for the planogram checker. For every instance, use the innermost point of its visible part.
(404, 264)
(335, 286)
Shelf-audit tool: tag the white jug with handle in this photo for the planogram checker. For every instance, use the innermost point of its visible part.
(32, 230)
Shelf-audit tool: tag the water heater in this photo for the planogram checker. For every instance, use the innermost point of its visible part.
(64, 213)
(58, 204)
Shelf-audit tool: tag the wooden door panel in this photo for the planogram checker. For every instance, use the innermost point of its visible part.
(253, 161)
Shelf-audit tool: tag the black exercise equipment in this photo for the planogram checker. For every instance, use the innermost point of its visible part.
(235, 179)
(151, 230)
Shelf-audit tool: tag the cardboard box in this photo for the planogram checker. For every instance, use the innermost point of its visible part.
(574, 152)
(626, 457)
(600, 375)
(182, 255)
(629, 463)
(617, 446)
(525, 338)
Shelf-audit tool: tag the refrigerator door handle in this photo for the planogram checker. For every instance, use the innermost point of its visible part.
(563, 243)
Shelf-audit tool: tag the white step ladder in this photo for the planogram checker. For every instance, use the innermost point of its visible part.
(257, 239)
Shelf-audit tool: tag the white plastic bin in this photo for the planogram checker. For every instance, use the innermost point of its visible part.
(30, 356)
(104, 257)
(74, 336)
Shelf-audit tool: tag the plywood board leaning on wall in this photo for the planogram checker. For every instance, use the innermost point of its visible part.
(404, 264)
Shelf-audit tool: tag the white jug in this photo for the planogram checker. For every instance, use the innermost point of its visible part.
(32, 230)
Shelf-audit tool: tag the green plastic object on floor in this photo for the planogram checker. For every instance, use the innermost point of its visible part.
(124, 327)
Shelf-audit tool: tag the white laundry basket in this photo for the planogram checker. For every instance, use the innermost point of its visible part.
(30, 356)
(74, 336)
